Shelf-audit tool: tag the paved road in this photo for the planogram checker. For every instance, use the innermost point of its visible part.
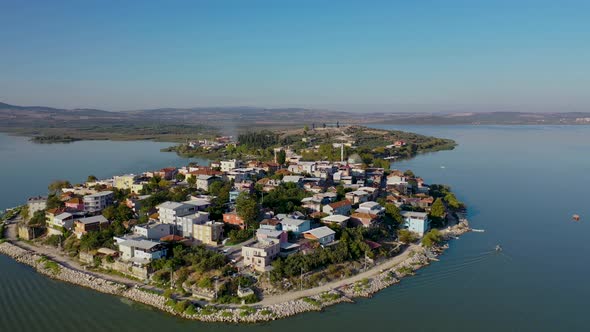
(276, 299)
(62, 258)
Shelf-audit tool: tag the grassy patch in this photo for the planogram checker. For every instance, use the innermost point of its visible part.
(247, 311)
(311, 301)
(329, 297)
(405, 270)
(266, 312)
(227, 314)
(49, 265)
(208, 310)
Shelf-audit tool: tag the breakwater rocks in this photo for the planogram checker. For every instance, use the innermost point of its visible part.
(417, 258)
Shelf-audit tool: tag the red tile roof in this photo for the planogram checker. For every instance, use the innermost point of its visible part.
(338, 204)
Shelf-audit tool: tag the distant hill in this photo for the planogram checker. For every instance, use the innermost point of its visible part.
(244, 118)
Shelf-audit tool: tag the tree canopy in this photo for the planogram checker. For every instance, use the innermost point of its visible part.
(247, 208)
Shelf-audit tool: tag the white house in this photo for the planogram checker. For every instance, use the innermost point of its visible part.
(293, 179)
(416, 222)
(204, 181)
(371, 208)
(228, 165)
(357, 196)
(141, 251)
(98, 202)
(396, 178)
(186, 223)
(59, 223)
(35, 204)
(153, 230)
(324, 235)
(337, 219)
(168, 211)
(296, 226)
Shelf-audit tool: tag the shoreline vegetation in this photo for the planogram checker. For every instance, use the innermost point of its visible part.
(415, 258)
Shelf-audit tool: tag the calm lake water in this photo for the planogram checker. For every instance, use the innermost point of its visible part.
(522, 185)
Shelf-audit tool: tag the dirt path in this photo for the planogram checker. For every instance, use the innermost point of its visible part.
(276, 299)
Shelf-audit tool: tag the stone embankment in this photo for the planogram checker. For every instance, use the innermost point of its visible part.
(245, 314)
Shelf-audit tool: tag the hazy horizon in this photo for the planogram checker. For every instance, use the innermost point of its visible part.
(386, 56)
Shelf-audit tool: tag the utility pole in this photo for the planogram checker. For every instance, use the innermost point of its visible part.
(215, 287)
(301, 287)
(341, 152)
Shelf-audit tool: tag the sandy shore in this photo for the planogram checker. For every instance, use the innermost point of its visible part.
(364, 284)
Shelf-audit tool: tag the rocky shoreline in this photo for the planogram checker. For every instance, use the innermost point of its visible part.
(245, 314)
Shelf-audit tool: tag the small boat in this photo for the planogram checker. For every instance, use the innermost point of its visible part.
(576, 217)
(498, 248)
(478, 230)
(442, 167)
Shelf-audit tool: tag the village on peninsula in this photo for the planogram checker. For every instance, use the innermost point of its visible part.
(277, 223)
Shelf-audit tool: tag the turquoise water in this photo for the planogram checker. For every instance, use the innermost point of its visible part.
(522, 185)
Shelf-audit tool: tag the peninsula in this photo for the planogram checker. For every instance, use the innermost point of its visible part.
(57, 125)
(282, 223)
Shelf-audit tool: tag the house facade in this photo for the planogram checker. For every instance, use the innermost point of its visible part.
(341, 207)
(296, 226)
(416, 222)
(324, 235)
(98, 201)
(260, 254)
(208, 233)
(364, 219)
(90, 224)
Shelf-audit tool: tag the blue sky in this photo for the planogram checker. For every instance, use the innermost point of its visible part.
(354, 55)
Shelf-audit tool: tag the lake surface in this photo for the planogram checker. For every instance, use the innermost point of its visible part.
(522, 184)
(27, 168)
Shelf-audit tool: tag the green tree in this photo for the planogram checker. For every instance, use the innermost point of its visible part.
(180, 177)
(438, 209)
(38, 219)
(405, 236)
(124, 213)
(24, 212)
(281, 157)
(409, 174)
(192, 181)
(247, 208)
(57, 185)
(110, 212)
(393, 212)
(91, 178)
(453, 202)
(53, 201)
(432, 238)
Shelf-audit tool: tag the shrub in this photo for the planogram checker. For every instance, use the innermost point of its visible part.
(208, 310)
(246, 311)
(181, 306)
(328, 297)
(190, 310)
(311, 301)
